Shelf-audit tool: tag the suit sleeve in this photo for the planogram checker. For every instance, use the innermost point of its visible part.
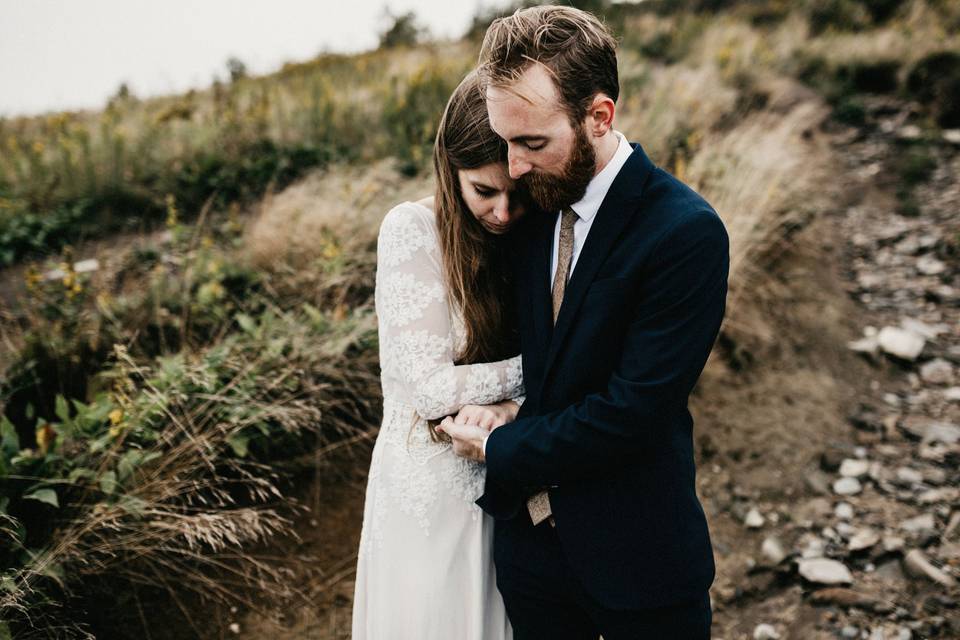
(674, 322)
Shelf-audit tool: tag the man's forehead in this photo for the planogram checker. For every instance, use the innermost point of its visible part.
(534, 87)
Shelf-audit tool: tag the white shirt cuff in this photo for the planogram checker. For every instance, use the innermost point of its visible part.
(485, 438)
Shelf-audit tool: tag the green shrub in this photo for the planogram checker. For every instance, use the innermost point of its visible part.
(850, 111)
(934, 81)
(840, 15)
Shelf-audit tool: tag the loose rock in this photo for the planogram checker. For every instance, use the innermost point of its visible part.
(900, 343)
(843, 511)
(918, 564)
(754, 519)
(851, 468)
(825, 571)
(765, 631)
(863, 539)
(847, 486)
(937, 371)
(773, 550)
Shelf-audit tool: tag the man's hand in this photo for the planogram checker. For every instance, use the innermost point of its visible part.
(473, 423)
(467, 438)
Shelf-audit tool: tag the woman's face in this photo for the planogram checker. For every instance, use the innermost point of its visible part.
(491, 195)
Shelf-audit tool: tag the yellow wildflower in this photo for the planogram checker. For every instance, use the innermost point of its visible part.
(45, 437)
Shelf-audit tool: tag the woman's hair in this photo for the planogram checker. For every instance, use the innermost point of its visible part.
(473, 259)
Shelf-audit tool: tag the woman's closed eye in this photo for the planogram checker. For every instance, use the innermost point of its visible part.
(485, 193)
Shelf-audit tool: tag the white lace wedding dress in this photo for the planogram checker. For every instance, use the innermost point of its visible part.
(425, 567)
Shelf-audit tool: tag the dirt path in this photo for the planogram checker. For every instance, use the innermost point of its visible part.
(835, 513)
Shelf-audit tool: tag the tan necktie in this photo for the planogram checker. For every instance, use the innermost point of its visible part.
(539, 503)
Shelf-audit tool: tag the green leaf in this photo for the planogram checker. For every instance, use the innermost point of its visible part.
(246, 323)
(9, 440)
(108, 482)
(238, 442)
(48, 496)
(61, 408)
(128, 463)
(81, 472)
(132, 505)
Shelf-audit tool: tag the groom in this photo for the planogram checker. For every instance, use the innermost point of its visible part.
(622, 283)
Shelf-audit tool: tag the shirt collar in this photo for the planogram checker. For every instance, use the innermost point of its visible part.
(586, 208)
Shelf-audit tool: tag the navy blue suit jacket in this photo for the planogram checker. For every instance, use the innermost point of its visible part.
(605, 417)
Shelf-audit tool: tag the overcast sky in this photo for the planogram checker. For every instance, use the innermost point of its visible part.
(71, 54)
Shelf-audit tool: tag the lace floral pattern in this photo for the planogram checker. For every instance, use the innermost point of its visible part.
(419, 333)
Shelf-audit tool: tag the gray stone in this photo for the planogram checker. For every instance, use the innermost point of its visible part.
(941, 432)
(930, 266)
(909, 132)
(814, 548)
(919, 524)
(863, 539)
(900, 343)
(843, 511)
(754, 520)
(891, 573)
(773, 550)
(920, 328)
(937, 371)
(918, 564)
(907, 476)
(851, 468)
(764, 631)
(824, 571)
(847, 486)
(943, 494)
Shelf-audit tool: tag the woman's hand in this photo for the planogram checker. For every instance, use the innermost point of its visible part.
(488, 416)
(473, 423)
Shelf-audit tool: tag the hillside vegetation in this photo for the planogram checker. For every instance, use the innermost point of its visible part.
(159, 406)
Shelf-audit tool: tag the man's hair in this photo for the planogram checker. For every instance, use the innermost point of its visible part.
(574, 46)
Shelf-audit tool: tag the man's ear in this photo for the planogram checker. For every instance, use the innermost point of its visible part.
(600, 114)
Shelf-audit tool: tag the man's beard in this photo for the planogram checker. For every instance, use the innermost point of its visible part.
(555, 192)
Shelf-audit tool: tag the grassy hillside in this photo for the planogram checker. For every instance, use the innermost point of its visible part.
(157, 406)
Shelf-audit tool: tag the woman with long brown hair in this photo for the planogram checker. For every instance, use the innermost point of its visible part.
(447, 342)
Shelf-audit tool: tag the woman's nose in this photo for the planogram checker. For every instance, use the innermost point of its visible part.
(502, 209)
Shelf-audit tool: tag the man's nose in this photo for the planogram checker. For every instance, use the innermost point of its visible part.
(517, 165)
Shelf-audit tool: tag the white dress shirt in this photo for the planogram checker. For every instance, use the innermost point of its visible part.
(586, 209)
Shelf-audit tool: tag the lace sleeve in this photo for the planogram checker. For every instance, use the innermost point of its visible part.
(416, 340)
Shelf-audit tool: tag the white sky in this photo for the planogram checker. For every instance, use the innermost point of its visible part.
(72, 54)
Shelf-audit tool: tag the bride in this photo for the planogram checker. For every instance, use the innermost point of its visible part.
(425, 567)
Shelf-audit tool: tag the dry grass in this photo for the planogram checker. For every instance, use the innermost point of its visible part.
(345, 202)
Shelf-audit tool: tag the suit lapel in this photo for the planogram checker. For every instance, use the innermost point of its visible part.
(541, 303)
(617, 209)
